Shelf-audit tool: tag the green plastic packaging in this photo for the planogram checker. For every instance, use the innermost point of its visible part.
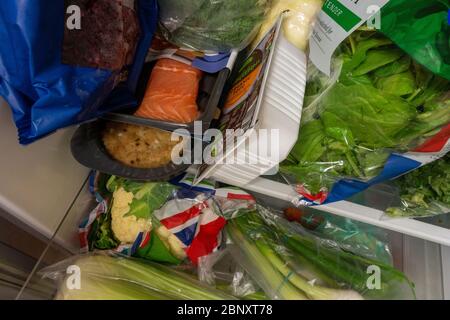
(421, 28)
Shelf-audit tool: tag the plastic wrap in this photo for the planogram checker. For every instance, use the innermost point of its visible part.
(154, 221)
(424, 192)
(287, 262)
(114, 277)
(357, 131)
(416, 27)
(220, 270)
(212, 25)
(299, 16)
(351, 236)
(44, 93)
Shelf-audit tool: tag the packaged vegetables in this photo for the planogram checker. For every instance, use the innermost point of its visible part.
(287, 263)
(154, 221)
(382, 101)
(379, 101)
(99, 43)
(114, 277)
(425, 191)
(206, 25)
(350, 236)
(131, 212)
(264, 257)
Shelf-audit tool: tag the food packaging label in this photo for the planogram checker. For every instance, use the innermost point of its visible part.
(337, 20)
(243, 102)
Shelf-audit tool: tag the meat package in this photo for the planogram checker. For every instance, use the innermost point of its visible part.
(106, 36)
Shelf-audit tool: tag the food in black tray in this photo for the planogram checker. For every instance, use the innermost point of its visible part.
(138, 146)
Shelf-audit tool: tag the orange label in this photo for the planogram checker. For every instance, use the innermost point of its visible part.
(241, 88)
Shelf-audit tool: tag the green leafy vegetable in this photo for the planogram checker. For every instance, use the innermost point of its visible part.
(381, 102)
(372, 117)
(400, 84)
(218, 25)
(104, 237)
(376, 59)
(147, 196)
(396, 67)
(424, 192)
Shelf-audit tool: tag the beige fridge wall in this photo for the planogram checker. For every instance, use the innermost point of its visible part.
(38, 182)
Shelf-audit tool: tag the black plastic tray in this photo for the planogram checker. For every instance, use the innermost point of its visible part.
(210, 91)
(88, 149)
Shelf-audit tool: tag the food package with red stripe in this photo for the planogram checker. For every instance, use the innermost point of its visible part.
(158, 221)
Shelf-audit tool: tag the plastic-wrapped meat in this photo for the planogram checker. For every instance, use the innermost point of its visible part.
(108, 36)
(131, 30)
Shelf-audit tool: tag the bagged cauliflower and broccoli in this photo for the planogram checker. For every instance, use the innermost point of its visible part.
(154, 221)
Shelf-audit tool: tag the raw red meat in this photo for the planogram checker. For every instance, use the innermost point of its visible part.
(108, 36)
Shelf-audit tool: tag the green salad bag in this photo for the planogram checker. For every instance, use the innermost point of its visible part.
(422, 29)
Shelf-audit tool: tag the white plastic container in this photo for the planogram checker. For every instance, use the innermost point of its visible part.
(279, 107)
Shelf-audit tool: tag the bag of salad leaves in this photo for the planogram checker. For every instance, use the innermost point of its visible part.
(424, 192)
(379, 116)
(212, 25)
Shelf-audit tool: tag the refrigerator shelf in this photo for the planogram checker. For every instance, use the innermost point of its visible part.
(375, 201)
(424, 262)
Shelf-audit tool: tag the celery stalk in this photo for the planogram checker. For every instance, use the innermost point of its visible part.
(148, 275)
(100, 288)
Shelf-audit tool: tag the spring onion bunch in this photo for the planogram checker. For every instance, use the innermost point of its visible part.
(272, 268)
(279, 255)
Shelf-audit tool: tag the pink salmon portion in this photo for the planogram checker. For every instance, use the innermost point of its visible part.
(171, 93)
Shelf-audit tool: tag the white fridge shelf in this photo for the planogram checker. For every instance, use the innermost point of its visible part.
(412, 227)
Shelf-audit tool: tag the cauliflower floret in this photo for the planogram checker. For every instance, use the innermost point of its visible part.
(126, 229)
(172, 242)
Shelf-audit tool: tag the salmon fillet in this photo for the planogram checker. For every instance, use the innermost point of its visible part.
(171, 93)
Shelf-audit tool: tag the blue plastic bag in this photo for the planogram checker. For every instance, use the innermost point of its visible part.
(44, 94)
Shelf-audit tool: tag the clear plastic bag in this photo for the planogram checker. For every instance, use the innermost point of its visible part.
(221, 271)
(110, 276)
(153, 221)
(424, 192)
(212, 25)
(381, 103)
(351, 236)
(287, 262)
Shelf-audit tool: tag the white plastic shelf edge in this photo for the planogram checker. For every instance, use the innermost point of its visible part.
(358, 212)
